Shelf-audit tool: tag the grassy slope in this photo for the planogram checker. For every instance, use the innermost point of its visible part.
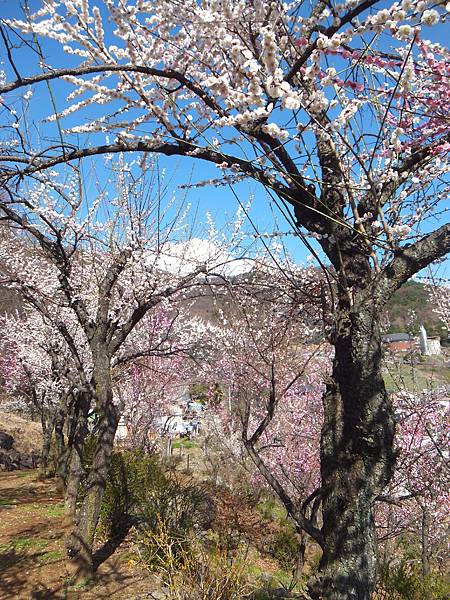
(27, 434)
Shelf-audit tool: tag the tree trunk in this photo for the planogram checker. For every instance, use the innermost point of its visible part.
(357, 457)
(73, 483)
(168, 447)
(300, 562)
(425, 541)
(80, 541)
(75, 449)
(48, 425)
(61, 447)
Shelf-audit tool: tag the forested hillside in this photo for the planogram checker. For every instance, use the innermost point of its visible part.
(411, 307)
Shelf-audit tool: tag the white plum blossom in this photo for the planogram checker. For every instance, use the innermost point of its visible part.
(275, 131)
(430, 17)
(405, 31)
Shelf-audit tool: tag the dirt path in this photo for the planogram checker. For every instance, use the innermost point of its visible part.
(32, 557)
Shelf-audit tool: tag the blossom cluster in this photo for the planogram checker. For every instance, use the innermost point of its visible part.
(199, 71)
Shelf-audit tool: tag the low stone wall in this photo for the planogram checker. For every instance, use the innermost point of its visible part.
(11, 459)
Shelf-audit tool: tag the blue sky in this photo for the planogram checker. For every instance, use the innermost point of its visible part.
(221, 202)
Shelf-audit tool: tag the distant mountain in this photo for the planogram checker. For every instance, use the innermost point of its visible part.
(412, 298)
(409, 308)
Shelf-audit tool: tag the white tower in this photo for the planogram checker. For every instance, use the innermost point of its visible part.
(423, 340)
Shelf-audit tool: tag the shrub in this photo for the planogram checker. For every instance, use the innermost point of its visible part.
(211, 576)
(140, 493)
(236, 521)
(160, 550)
(170, 510)
(285, 548)
(195, 570)
(405, 582)
(132, 476)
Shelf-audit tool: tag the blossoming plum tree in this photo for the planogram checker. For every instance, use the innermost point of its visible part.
(35, 365)
(263, 356)
(145, 386)
(269, 361)
(96, 281)
(440, 296)
(339, 110)
(416, 500)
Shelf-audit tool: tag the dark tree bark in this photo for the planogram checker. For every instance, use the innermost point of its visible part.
(62, 422)
(80, 542)
(73, 482)
(61, 450)
(425, 541)
(357, 445)
(78, 429)
(48, 426)
(300, 562)
(357, 457)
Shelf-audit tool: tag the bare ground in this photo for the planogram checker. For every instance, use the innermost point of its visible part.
(32, 554)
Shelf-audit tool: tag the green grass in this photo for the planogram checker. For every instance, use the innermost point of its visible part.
(272, 509)
(48, 510)
(442, 374)
(50, 556)
(6, 502)
(22, 544)
(401, 376)
(398, 379)
(184, 443)
(56, 510)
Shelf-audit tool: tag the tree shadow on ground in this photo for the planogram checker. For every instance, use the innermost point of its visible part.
(109, 547)
(25, 494)
(18, 570)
